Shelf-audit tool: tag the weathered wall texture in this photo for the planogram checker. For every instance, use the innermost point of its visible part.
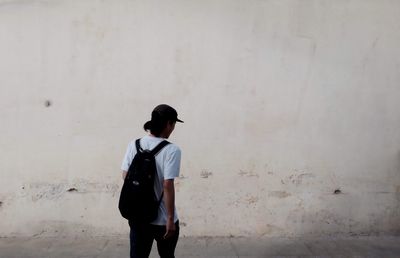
(285, 102)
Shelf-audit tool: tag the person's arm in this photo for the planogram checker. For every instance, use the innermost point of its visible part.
(169, 200)
(124, 174)
(171, 171)
(126, 162)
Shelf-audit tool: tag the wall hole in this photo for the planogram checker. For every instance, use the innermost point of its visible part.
(337, 191)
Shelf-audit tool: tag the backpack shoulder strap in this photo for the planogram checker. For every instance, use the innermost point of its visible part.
(159, 147)
(138, 148)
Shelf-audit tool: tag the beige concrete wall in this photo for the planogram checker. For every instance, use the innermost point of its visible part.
(284, 102)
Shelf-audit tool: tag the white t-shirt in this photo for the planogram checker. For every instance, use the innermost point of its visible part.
(168, 162)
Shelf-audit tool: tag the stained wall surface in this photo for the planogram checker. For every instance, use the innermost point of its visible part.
(291, 109)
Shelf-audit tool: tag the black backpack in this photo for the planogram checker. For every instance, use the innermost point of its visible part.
(138, 201)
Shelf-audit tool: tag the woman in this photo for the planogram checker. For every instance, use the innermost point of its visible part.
(165, 228)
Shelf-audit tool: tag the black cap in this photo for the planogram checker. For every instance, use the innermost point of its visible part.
(166, 112)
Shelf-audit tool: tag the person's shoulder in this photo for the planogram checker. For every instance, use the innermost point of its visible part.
(132, 143)
(172, 148)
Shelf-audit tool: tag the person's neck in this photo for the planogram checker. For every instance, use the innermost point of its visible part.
(162, 135)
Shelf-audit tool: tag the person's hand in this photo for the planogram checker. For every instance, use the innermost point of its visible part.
(171, 228)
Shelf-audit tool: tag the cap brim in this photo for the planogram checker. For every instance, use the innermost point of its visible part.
(178, 120)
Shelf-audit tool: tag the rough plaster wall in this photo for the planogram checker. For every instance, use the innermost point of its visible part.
(285, 104)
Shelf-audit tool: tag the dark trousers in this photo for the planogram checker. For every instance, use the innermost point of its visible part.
(142, 236)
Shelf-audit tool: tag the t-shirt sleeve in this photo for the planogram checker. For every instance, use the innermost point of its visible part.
(172, 164)
(126, 162)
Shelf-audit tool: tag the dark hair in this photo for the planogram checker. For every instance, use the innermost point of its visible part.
(161, 115)
(156, 125)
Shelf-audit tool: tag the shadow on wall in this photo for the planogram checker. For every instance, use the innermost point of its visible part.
(344, 211)
(341, 247)
(397, 193)
(348, 213)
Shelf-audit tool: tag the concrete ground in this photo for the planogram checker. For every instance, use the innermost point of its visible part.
(114, 247)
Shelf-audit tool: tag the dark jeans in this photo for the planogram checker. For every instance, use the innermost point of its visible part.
(142, 236)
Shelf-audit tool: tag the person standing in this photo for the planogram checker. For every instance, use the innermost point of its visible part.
(165, 228)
